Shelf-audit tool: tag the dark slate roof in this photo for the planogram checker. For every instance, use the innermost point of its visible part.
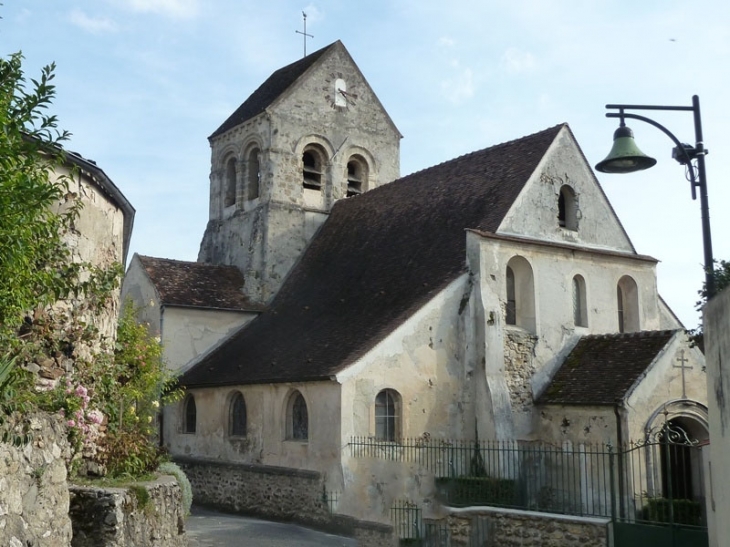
(377, 259)
(197, 285)
(270, 90)
(602, 368)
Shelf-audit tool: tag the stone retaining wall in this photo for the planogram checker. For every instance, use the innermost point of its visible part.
(149, 513)
(34, 497)
(277, 493)
(493, 527)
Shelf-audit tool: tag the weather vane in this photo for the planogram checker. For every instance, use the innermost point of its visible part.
(304, 34)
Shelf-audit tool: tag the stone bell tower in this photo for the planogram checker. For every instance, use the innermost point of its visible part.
(313, 133)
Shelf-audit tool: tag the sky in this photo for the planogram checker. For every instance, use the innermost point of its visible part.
(141, 84)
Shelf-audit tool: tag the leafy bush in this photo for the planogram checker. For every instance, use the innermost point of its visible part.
(684, 511)
(466, 491)
(169, 468)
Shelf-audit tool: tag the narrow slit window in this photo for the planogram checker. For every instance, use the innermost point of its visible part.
(386, 416)
(230, 183)
(191, 415)
(511, 298)
(580, 310)
(254, 174)
(298, 418)
(238, 416)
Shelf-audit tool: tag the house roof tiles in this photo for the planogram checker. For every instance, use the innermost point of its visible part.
(601, 369)
(198, 285)
(377, 259)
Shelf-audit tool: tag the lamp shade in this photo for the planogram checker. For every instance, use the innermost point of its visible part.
(625, 156)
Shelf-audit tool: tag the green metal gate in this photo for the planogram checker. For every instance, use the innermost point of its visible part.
(658, 497)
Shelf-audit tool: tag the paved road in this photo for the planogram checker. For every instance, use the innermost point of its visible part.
(207, 528)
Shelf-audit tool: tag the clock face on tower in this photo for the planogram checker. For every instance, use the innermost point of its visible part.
(340, 96)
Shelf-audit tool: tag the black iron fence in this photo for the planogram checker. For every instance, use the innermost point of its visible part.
(658, 480)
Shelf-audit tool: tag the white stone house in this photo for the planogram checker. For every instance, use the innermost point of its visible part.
(495, 291)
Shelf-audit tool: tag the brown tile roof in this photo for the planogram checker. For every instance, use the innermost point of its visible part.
(197, 285)
(602, 368)
(377, 259)
(270, 90)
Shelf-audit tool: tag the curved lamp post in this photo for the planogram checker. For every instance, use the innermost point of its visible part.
(625, 157)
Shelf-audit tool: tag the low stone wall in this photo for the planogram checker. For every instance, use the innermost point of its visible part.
(277, 493)
(34, 497)
(149, 513)
(494, 527)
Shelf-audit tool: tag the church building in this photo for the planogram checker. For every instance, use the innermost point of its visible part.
(496, 295)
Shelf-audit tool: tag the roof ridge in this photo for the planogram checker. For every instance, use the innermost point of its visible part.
(633, 334)
(482, 150)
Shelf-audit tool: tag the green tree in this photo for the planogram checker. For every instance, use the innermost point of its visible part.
(35, 265)
(721, 274)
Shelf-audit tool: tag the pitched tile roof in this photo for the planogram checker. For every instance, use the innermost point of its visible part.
(377, 259)
(197, 285)
(270, 90)
(602, 368)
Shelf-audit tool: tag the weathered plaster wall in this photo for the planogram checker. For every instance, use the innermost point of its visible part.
(190, 332)
(510, 528)
(117, 517)
(138, 288)
(265, 236)
(266, 441)
(34, 497)
(716, 321)
(422, 360)
(97, 237)
(576, 424)
(535, 212)
(508, 361)
(185, 333)
(661, 391)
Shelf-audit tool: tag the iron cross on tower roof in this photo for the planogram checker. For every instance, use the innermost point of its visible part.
(304, 34)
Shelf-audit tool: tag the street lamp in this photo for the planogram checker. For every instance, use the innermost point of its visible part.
(625, 157)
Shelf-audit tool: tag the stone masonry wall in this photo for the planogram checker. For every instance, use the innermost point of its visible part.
(278, 493)
(519, 348)
(512, 528)
(34, 497)
(126, 517)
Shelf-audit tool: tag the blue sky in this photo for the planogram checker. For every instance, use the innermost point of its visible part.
(142, 83)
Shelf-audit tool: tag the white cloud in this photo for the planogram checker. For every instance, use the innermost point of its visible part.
(445, 41)
(460, 87)
(181, 9)
(94, 25)
(515, 61)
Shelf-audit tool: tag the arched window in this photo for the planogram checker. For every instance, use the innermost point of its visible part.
(312, 166)
(567, 208)
(627, 304)
(580, 310)
(387, 419)
(230, 183)
(191, 415)
(520, 293)
(511, 298)
(297, 418)
(357, 176)
(237, 416)
(254, 174)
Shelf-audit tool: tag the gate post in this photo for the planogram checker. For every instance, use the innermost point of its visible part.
(612, 477)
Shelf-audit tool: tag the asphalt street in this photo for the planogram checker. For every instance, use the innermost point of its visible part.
(208, 528)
